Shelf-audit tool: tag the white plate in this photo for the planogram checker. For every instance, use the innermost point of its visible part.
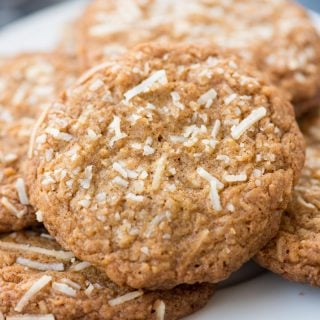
(262, 298)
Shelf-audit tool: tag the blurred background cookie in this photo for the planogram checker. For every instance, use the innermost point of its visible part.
(278, 36)
(28, 85)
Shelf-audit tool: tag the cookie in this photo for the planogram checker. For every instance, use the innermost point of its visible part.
(39, 279)
(278, 36)
(28, 84)
(167, 166)
(68, 40)
(294, 252)
(30, 81)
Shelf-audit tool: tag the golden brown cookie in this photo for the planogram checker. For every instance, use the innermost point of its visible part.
(28, 84)
(278, 36)
(294, 253)
(38, 278)
(167, 166)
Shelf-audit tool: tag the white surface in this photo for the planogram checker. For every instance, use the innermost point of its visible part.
(263, 298)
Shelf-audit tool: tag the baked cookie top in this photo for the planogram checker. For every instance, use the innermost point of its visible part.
(278, 35)
(38, 278)
(28, 83)
(167, 166)
(294, 253)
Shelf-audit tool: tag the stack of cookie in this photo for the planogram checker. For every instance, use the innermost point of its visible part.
(153, 153)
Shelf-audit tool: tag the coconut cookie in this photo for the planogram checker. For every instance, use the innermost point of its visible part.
(167, 166)
(39, 279)
(278, 36)
(294, 253)
(28, 84)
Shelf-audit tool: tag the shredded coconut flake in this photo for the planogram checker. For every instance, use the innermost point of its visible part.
(246, 123)
(137, 146)
(160, 167)
(215, 185)
(145, 250)
(71, 283)
(35, 131)
(143, 175)
(91, 134)
(257, 173)
(33, 290)
(9, 157)
(39, 265)
(133, 118)
(207, 98)
(155, 222)
(64, 289)
(118, 167)
(21, 189)
(85, 203)
(230, 207)
(88, 74)
(158, 77)
(177, 139)
(49, 154)
(97, 84)
(39, 216)
(147, 150)
(235, 178)
(176, 100)
(85, 183)
(160, 310)
(305, 203)
(214, 195)
(207, 176)
(31, 317)
(57, 134)
(81, 266)
(120, 182)
(224, 158)
(89, 289)
(9, 206)
(126, 297)
(115, 127)
(230, 98)
(134, 197)
(215, 129)
(101, 197)
(63, 255)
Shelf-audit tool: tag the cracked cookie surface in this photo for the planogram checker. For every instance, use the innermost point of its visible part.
(278, 36)
(167, 166)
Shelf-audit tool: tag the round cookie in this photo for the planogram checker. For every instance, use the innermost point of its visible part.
(294, 252)
(38, 278)
(28, 84)
(167, 166)
(278, 36)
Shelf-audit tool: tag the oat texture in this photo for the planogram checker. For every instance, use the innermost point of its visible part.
(294, 253)
(28, 84)
(38, 278)
(167, 166)
(277, 35)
